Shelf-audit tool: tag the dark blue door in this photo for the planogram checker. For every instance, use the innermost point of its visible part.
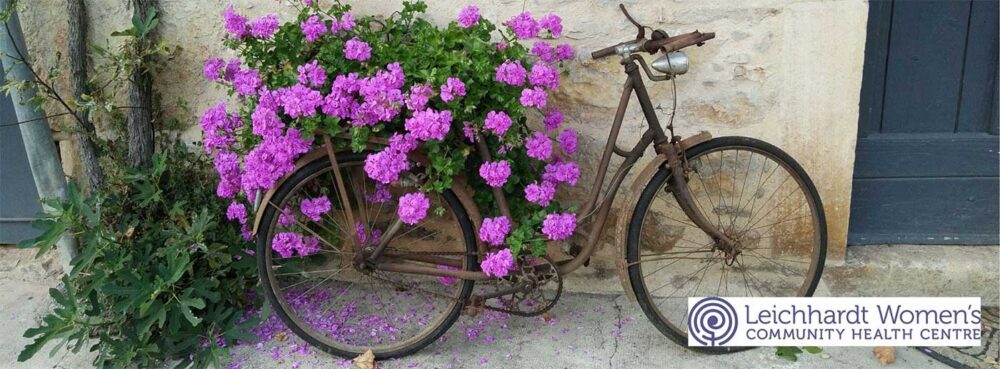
(926, 170)
(18, 197)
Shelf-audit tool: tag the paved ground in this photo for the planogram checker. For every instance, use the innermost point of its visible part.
(583, 331)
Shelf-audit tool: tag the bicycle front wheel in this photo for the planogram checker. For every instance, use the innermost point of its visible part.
(756, 195)
(307, 261)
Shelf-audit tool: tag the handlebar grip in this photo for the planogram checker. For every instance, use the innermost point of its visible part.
(605, 52)
(677, 42)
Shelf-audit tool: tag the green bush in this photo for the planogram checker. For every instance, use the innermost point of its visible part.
(161, 274)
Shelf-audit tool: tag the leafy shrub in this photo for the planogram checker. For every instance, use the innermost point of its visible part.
(159, 276)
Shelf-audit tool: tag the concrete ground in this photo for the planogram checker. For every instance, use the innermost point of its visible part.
(583, 331)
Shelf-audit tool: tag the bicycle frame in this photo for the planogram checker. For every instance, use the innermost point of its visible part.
(669, 150)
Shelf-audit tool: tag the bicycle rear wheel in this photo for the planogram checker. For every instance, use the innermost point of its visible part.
(755, 194)
(306, 262)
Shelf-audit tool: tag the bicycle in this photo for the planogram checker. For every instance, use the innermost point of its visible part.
(712, 210)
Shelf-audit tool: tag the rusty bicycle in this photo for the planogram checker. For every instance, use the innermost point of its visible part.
(727, 216)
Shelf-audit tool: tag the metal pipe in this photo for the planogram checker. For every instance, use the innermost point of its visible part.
(609, 147)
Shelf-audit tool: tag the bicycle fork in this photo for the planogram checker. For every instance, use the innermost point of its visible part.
(679, 189)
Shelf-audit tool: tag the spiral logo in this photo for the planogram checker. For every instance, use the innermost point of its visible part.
(712, 322)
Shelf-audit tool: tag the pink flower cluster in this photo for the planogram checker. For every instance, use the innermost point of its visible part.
(525, 26)
(315, 208)
(239, 28)
(497, 122)
(495, 173)
(494, 231)
(511, 73)
(469, 16)
(413, 207)
(559, 226)
(288, 243)
(313, 27)
(429, 124)
(498, 264)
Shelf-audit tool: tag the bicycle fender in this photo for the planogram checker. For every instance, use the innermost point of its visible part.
(635, 189)
(309, 157)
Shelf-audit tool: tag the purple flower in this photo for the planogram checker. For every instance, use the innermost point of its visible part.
(446, 280)
(286, 218)
(315, 208)
(232, 69)
(524, 26)
(266, 123)
(213, 69)
(235, 23)
(498, 264)
(552, 23)
(265, 26)
(494, 231)
(355, 49)
(558, 226)
(217, 126)
(564, 52)
(543, 51)
(544, 75)
(246, 82)
(227, 164)
(511, 73)
(429, 124)
(419, 96)
(553, 120)
(299, 101)
(386, 165)
(346, 22)
(286, 243)
(381, 96)
(495, 173)
(237, 211)
(452, 88)
(498, 122)
(469, 131)
(533, 97)
(381, 194)
(313, 28)
(309, 246)
(403, 143)
(562, 172)
(567, 140)
(539, 146)
(540, 194)
(468, 16)
(312, 74)
(413, 207)
(272, 158)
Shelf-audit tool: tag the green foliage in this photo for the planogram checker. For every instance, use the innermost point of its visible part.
(161, 275)
(792, 353)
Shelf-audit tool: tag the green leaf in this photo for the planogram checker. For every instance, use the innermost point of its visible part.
(812, 349)
(788, 353)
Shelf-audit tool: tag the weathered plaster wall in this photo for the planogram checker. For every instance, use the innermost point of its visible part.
(784, 71)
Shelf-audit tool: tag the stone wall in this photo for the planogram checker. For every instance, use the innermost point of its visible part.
(788, 72)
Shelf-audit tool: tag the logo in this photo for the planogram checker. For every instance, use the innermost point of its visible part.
(712, 321)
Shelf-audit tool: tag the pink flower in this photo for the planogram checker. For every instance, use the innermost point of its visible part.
(413, 207)
(235, 23)
(315, 208)
(418, 97)
(567, 140)
(497, 122)
(564, 52)
(469, 16)
(286, 243)
(539, 146)
(469, 131)
(386, 165)
(403, 143)
(265, 26)
(544, 75)
(355, 49)
(237, 211)
(495, 173)
(287, 217)
(524, 26)
(217, 126)
(564, 172)
(511, 73)
(299, 101)
(558, 226)
(498, 264)
(272, 158)
(553, 120)
(540, 194)
(552, 23)
(312, 74)
(266, 123)
(429, 124)
(543, 51)
(245, 82)
(213, 69)
(232, 68)
(533, 97)
(346, 22)
(494, 231)
(452, 88)
(310, 245)
(227, 164)
(381, 194)
(313, 28)
(446, 280)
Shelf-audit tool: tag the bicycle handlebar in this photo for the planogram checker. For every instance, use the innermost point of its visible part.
(668, 44)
